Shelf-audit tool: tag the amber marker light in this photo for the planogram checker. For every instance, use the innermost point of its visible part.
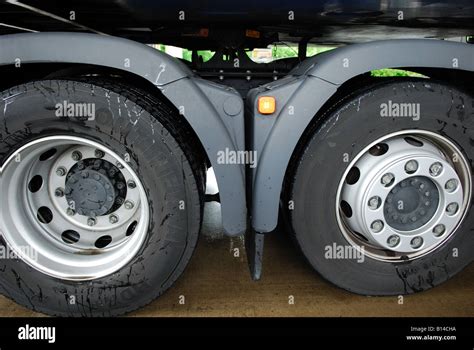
(266, 105)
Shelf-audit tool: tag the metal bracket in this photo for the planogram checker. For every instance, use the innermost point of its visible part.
(254, 242)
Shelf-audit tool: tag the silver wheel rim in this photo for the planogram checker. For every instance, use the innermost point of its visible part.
(374, 210)
(69, 240)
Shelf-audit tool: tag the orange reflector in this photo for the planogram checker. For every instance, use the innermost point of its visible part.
(204, 32)
(252, 33)
(266, 105)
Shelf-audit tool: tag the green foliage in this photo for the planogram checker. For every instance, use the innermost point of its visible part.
(205, 54)
(388, 72)
(314, 50)
(282, 51)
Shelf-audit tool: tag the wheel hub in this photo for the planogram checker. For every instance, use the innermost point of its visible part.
(411, 203)
(96, 187)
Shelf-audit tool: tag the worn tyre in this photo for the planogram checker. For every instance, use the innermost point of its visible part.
(137, 154)
(355, 133)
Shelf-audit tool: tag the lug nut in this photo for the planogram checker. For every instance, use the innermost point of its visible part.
(451, 185)
(59, 192)
(70, 212)
(76, 156)
(374, 202)
(119, 165)
(61, 171)
(131, 184)
(98, 153)
(411, 166)
(416, 242)
(377, 226)
(113, 219)
(97, 163)
(439, 230)
(393, 241)
(452, 208)
(128, 205)
(387, 179)
(436, 168)
(91, 221)
(120, 186)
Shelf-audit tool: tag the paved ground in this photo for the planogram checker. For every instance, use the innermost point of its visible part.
(217, 283)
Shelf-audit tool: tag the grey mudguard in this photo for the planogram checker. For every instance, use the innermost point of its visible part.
(301, 95)
(214, 112)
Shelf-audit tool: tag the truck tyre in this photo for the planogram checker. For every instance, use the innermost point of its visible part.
(381, 188)
(102, 197)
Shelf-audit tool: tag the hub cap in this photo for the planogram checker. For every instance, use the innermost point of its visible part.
(96, 186)
(403, 196)
(76, 204)
(411, 203)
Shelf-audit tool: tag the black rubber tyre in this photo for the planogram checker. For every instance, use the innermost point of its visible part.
(317, 168)
(167, 167)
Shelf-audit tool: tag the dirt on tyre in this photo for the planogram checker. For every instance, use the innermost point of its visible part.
(381, 188)
(102, 197)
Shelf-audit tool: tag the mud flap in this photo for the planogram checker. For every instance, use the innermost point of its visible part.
(254, 242)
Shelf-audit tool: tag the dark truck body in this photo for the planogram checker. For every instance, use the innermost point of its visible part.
(207, 24)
